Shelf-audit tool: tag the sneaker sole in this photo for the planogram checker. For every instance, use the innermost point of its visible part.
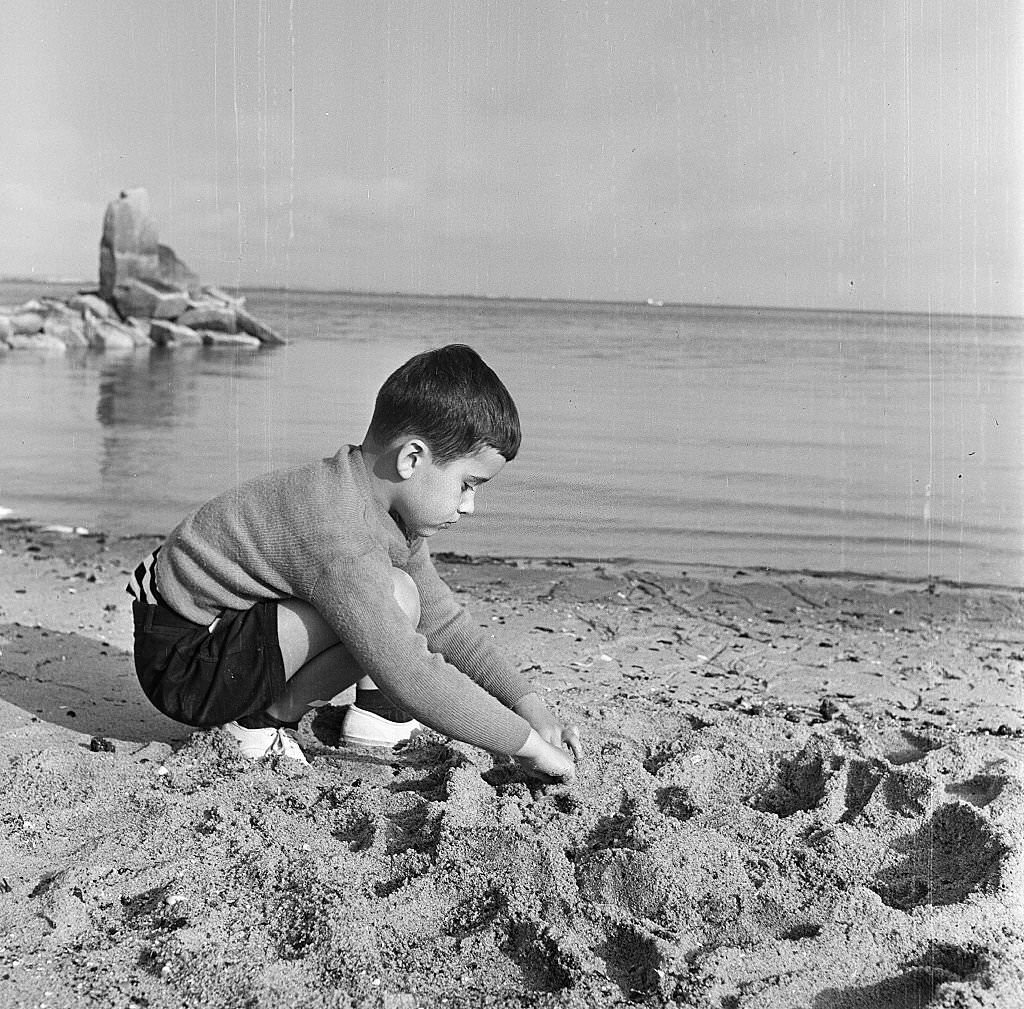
(378, 744)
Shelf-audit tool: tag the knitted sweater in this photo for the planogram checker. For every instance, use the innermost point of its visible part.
(317, 533)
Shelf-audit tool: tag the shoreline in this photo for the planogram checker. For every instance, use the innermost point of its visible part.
(68, 581)
(797, 790)
(668, 569)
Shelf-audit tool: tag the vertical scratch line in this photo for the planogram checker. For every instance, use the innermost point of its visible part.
(238, 194)
(216, 133)
(291, 179)
(238, 140)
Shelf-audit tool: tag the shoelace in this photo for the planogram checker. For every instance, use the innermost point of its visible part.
(277, 747)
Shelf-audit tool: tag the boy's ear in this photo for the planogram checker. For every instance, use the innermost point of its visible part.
(412, 455)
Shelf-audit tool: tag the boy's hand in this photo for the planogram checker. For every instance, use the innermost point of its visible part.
(550, 729)
(542, 758)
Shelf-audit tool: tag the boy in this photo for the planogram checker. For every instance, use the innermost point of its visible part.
(272, 598)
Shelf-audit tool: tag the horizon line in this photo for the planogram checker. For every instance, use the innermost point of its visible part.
(89, 285)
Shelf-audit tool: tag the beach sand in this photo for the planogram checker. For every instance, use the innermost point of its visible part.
(797, 791)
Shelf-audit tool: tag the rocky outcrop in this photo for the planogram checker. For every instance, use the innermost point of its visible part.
(86, 321)
(147, 297)
(150, 300)
(128, 247)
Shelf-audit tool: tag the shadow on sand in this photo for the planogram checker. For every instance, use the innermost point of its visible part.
(80, 684)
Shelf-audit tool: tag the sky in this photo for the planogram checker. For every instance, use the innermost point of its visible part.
(861, 154)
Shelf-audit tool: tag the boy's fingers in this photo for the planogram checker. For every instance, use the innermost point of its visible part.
(571, 738)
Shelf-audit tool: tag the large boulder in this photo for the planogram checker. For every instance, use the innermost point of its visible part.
(210, 316)
(129, 249)
(250, 324)
(107, 334)
(140, 331)
(170, 334)
(129, 246)
(68, 327)
(212, 338)
(27, 323)
(221, 297)
(87, 302)
(37, 341)
(149, 299)
(174, 272)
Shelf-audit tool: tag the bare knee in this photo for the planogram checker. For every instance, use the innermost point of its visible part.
(302, 634)
(407, 594)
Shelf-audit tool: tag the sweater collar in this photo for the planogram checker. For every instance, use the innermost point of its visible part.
(391, 521)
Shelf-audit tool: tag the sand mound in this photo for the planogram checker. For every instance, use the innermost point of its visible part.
(798, 792)
(740, 862)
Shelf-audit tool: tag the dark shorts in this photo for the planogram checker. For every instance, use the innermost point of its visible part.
(206, 677)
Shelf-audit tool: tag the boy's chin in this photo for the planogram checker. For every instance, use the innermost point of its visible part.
(424, 530)
(428, 531)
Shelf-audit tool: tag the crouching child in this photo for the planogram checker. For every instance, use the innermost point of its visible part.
(278, 595)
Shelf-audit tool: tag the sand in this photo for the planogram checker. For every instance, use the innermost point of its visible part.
(798, 791)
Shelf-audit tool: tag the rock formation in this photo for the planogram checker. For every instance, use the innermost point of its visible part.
(173, 271)
(128, 247)
(147, 297)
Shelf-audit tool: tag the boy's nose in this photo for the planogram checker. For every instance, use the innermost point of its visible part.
(466, 504)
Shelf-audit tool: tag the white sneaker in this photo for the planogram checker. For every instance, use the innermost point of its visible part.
(269, 742)
(364, 728)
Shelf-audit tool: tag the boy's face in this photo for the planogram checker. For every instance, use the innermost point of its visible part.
(434, 496)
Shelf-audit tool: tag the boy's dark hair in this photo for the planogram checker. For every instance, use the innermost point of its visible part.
(450, 399)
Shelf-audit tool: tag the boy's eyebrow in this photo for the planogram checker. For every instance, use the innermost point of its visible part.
(477, 480)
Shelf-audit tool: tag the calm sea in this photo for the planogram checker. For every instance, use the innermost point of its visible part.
(880, 444)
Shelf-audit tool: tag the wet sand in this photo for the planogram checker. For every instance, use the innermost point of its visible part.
(798, 791)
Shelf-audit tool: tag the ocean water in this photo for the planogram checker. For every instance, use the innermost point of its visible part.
(669, 436)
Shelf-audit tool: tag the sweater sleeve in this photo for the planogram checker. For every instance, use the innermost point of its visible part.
(450, 632)
(355, 596)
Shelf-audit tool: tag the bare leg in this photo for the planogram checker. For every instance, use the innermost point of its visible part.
(316, 665)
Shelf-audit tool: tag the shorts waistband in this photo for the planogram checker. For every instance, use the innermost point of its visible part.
(159, 614)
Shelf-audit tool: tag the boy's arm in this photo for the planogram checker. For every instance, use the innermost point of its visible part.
(450, 631)
(355, 596)
(361, 607)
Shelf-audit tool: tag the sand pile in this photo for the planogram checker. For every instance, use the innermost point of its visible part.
(740, 862)
(798, 791)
